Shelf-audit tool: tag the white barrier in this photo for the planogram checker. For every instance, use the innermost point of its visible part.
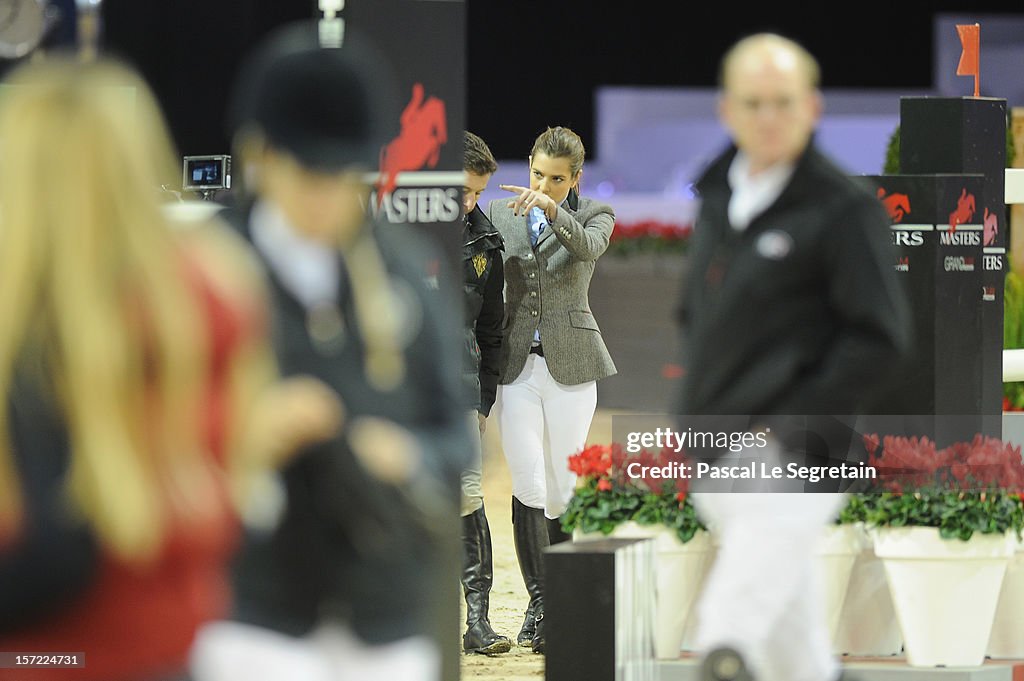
(1013, 365)
(1014, 191)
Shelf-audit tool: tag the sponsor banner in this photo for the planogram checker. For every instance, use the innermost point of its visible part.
(419, 180)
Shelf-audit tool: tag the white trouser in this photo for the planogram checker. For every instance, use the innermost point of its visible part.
(472, 476)
(542, 424)
(229, 651)
(763, 594)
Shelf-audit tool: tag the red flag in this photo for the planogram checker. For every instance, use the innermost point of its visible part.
(970, 36)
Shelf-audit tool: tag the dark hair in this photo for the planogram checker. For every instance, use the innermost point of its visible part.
(476, 156)
(559, 142)
(326, 107)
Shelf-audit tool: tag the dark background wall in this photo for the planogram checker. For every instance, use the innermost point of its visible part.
(531, 64)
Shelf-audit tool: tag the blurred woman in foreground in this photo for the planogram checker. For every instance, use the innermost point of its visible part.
(128, 352)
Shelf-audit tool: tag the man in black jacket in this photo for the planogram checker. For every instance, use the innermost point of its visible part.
(344, 585)
(791, 309)
(483, 280)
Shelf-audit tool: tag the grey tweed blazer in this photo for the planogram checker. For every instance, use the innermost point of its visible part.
(546, 288)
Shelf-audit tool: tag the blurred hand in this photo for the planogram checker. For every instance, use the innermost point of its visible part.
(385, 449)
(483, 422)
(293, 413)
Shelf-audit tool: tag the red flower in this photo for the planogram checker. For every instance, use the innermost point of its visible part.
(604, 485)
(871, 443)
(593, 461)
(651, 230)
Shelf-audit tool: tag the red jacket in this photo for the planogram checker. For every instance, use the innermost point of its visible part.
(137, 622)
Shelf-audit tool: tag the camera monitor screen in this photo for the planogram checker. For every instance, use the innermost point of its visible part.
(204, 172)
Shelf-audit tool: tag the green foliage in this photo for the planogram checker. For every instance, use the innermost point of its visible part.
(892, 154)
(1013, 333)
(962, 489)
(1013, 297)
(957, 515)
(666, 509)
(593, 510)
(1011, 147)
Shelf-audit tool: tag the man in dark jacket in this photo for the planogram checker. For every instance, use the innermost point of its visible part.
(483, 279)
(791, 308)
(344, 585)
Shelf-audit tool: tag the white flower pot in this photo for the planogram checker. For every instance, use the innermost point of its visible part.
(944, 591)
(867, 625)
(837, 552)
(679, 572)
(693, 621)
(1007, 638)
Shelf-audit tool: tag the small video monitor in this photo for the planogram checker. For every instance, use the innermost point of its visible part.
(206, 173)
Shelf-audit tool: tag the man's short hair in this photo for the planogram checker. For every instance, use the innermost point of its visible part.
(477, 157)
(807, 62)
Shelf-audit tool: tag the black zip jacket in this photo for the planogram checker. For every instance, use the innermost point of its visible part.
(484, 281)
(800, 313)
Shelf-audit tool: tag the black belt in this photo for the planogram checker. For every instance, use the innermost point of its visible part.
(537, 350)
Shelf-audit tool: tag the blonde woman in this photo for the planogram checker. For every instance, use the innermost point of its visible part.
(124, 348)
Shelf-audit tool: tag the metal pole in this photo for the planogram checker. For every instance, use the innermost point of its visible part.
(89, 27)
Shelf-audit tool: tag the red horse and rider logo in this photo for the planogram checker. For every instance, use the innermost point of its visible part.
(897, 205)
(424, 129)
(991, 228)
(964, 211)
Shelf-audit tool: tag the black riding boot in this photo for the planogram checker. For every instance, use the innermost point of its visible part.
(530, 530)
(477, 578)
(556, 535)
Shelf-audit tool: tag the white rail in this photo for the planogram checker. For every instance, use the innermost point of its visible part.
(1013, 365)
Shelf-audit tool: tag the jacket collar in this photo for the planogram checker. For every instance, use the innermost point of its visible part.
(479, 233)
(477, 224)
(800, 187)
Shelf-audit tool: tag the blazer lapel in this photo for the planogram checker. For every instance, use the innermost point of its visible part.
(513, 229)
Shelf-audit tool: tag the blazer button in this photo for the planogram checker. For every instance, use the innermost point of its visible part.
(534, 313)
(533, 294)
(533, 275)
(529, 256)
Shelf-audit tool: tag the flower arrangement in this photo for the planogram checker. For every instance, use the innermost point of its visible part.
(965, 488)
(607, 495)
(649, 236)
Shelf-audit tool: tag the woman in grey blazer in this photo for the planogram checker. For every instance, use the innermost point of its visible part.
(553, 353)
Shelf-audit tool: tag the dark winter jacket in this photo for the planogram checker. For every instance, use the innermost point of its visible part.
(484, 281)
